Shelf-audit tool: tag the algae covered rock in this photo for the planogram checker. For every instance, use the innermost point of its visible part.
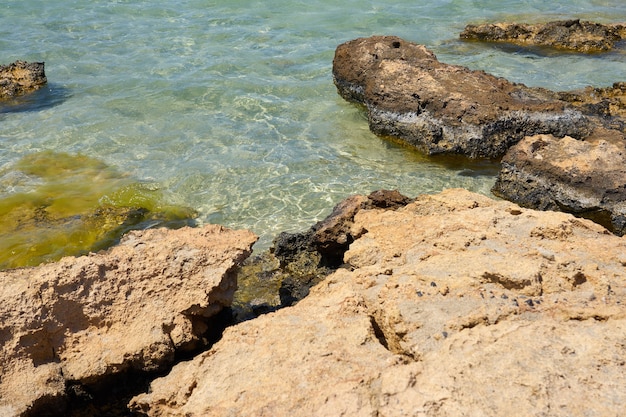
(56, 204)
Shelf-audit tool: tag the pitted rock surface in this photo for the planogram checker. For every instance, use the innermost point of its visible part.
(20, 78)
(131, 307)
(441, 108)
(453, 305)
(587, 178)
(571, 35)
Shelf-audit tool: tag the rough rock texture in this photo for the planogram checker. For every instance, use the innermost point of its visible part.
(572, 35)
(331, 237)
(607, 103)
(453, 305)
(309, 256)
(131, 307)
(20, 78)
(440, 108)
(587, 178)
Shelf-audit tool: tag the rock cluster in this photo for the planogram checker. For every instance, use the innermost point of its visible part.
(440, 108)
(80, 320)
(455, 304)
(574, 166)
(21, 77)
(572, 35)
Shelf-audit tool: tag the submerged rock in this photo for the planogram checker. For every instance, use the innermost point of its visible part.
(587, 178)
(82, 321)
(440, 108)
(21, 77)
(453, 305)
(55, 204)
(572, 35)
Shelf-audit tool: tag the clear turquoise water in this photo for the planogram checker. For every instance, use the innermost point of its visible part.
(229, 106)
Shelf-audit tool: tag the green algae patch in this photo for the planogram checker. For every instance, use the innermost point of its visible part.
(265, 285)
(56, 204)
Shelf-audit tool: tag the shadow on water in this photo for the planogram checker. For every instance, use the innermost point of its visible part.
(49, 95)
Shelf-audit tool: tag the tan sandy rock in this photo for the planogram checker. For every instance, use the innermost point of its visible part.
(453, 305)
(130, 307)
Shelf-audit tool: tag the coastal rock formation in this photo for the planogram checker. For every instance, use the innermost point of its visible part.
(453, 305)
(311, 255)
(21, 77)
(587, 178)
(607, 104)
(440, 108)
(134, 306)
(572, 35)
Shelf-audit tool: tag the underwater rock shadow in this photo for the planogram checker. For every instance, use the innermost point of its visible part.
(48, 96)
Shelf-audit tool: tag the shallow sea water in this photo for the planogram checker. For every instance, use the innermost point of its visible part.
(230, 108)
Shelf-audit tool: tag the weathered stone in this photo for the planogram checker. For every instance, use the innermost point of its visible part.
(440, 108)
(308, 257)
(587, 178)
(453, 305)
(21, 77)
(132, 307)
(572, 35)
(331, 237)
(607, 103)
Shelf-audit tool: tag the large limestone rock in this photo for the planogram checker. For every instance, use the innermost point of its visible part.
(21, 77)
(587, 178)
(132, 307)
(440, 108)
(453, 305)
(571, 35)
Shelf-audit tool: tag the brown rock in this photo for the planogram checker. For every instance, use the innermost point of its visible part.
(309, 256)
(572, 35)
(608, 103)
(440, 108)
(453, 305)
(131, 307)
(587, 178)
(20, 78)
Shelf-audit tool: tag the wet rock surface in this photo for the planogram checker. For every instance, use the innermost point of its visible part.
(440, 108)
(455, 304)
(21, 77)
(68, 327)
(572, 35)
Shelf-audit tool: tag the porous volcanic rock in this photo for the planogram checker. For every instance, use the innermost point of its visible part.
(21, 77)
(131, 307)
(441, 108)
(587, 178)
(453, 305)
(572, 35)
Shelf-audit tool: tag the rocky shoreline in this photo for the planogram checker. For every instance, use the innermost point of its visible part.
(438, 305)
